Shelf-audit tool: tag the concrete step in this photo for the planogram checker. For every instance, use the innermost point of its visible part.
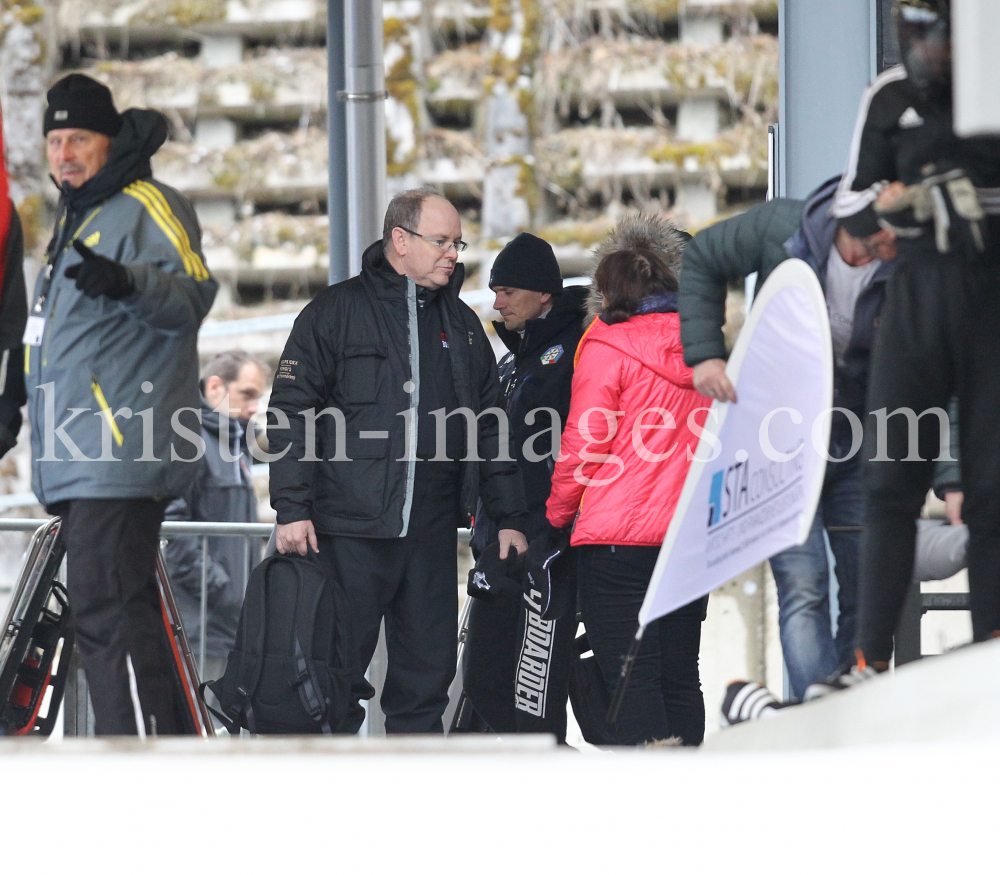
(949, 698)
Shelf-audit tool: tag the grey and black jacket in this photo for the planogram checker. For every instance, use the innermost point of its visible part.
(355, 349)
(757, 242)
(109, 377)
(222, 492)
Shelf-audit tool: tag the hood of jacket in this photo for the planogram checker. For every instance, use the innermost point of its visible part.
(818, 230)
(643, 338)
(143, 132)
(568, 307)
(640, 231)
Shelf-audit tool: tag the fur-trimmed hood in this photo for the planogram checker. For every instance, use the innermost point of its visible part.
(639, 231)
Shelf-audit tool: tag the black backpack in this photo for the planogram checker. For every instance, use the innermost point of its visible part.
(290, 669)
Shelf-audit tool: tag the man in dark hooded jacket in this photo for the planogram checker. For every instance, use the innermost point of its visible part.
(112, 376)
(514, 683)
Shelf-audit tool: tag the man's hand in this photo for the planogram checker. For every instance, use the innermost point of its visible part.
(512, 538)
(710, 379)
(953, 507)
(97, 275)
(296, 537)
(888, 196)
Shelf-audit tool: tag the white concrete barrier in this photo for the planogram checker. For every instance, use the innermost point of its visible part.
(401, 806)
(953, 698)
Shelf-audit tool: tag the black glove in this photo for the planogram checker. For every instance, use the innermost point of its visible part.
(97, 275)
(495, 579)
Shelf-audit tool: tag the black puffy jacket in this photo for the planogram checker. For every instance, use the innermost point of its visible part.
(352, 357)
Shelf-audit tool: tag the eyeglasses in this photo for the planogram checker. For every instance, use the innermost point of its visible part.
(442, 244)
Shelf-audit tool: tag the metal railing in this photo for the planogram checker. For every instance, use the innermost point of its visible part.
(250, 532)
(79, 716)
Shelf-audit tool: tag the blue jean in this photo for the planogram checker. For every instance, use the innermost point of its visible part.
(802, 577)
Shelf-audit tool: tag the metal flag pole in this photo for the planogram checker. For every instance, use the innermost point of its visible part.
(623, 677)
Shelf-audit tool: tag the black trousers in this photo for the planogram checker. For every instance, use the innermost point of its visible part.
(111, 549)
(938, 336)
(411, 582)
(516, 666)
(663, 699)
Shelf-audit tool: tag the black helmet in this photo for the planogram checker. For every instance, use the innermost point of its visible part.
(924, 28)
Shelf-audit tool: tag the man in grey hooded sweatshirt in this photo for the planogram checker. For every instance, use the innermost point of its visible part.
(111, 370)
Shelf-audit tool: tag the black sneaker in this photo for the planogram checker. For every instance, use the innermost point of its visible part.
(747, 700)
(840, 680)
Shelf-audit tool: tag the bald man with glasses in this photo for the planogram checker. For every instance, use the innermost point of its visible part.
(385, 413)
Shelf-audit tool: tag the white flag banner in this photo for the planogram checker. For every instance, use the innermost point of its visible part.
(755, 481)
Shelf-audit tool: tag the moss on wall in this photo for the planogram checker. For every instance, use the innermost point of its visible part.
(501, 16)
(27, 13)
(33, 220)
(395, 30)
(528, 187)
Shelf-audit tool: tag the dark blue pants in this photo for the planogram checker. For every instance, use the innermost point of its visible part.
(663, 699)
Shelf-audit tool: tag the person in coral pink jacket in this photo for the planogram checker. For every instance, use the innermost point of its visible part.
(633, 425)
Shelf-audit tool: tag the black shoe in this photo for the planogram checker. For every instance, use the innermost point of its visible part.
(841, 680)
(747, 700)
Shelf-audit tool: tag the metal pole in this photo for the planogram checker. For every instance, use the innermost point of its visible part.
(203, 609)
(825, 62)
(336, 125)
(364, 95)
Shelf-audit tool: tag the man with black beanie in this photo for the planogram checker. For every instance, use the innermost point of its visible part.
(111, 372)
(516, 661)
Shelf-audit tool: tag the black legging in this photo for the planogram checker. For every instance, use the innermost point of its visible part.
(663, 699)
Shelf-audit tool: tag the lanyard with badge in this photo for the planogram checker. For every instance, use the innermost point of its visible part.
(35, 327)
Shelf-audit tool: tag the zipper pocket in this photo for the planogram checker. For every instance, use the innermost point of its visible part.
(106, 410)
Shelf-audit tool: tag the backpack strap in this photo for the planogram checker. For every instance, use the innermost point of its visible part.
(310, 690)
(252, 657)
(232, 727)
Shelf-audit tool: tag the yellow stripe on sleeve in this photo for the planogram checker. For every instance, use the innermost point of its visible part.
(156, 205)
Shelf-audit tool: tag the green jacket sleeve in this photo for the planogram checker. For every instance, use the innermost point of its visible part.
(729, 250)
